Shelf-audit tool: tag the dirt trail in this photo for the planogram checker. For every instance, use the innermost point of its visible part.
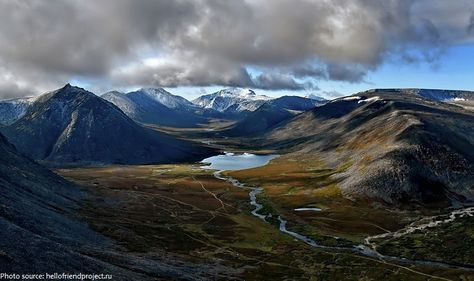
(212, 194)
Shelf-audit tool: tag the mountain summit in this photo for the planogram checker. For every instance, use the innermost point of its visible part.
(232, 100)
(162, 96)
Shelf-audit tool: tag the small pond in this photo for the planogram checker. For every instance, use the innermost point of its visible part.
(231, 161)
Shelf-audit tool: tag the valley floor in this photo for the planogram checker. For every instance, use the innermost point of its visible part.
(181, 222)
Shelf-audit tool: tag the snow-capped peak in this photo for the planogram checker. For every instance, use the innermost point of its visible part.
(241, 93)
(232, 100)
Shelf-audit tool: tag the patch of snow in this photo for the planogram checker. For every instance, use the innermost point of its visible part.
(307, 209)
(352, 98)
(369, 99)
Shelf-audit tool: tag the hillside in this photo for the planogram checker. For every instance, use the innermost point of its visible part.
(398, 149)
(35, 207)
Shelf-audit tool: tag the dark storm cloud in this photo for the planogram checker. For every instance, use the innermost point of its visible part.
(331, 71)
(308, 70)
(179, 71)
(278, 81)
(349, 73)
(85, 37)
(197, 72)
(215, 42)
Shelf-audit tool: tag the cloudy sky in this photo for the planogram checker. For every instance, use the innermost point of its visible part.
(190, 47)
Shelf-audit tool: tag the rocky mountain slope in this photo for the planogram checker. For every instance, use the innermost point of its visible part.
(232, 100)
(395, 148)
(163, 97)
(37, 233)
(121, 101)
(73, 126)
(159, 107)
(42, 231)
(295, 103)
(13, 109)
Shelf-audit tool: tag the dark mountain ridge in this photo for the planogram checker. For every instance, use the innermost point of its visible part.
(432, 94)
(271, 113)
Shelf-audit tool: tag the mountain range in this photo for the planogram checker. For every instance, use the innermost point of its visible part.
(72, 125)
(159, 107)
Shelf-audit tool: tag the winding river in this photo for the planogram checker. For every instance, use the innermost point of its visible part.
(231, 162)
